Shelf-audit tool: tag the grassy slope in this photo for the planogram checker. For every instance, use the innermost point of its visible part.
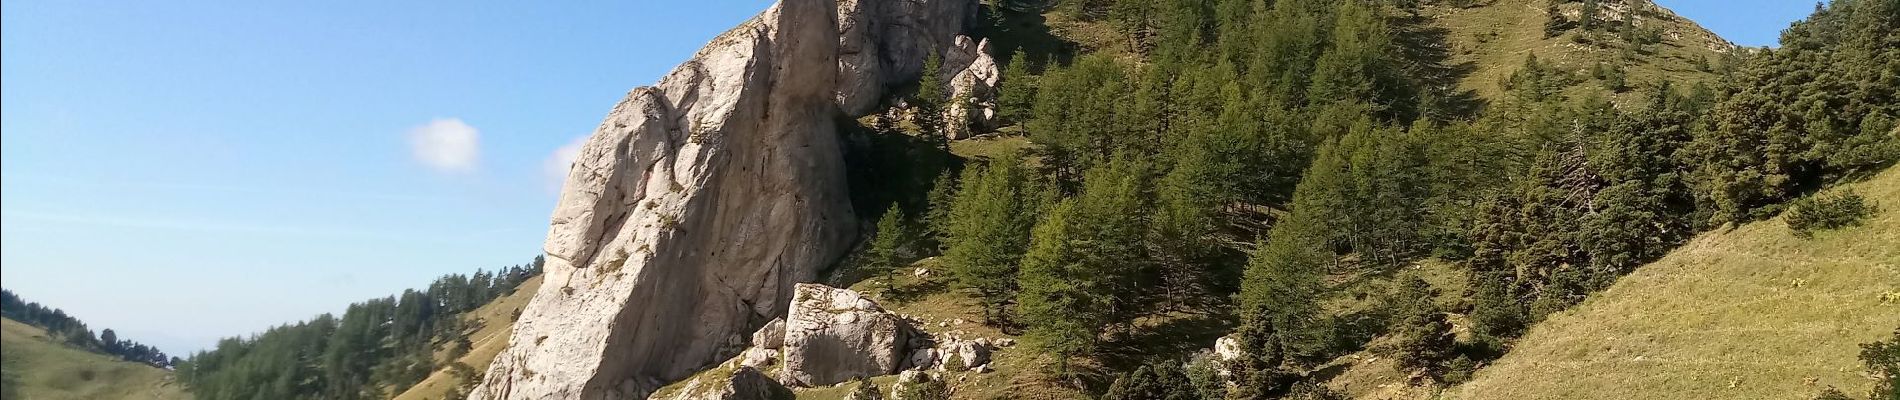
(494, 321)
(53, 371)
(1494, 38)
(1752, 312)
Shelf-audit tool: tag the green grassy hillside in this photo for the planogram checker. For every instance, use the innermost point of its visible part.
(1492, 39)
(1749, 313)
(489, 336)
(48, 370)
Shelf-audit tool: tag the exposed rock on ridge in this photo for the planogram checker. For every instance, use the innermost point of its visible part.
(972, 77)
(698, 203)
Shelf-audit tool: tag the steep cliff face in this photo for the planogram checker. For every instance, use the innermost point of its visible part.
(699, 202)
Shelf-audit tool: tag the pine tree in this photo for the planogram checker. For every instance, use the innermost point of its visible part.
(942, 198)
(1822, 106)
(1423, 336)
(930, 102)
(989, 231)
(1155, 381)
(1075, 116)
(1359, 66)
(890, 246)
(1084, 264)
(1018, 95)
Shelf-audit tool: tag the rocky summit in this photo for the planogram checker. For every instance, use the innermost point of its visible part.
(699, 202)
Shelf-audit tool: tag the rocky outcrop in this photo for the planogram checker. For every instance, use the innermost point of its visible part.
(834, 335)
(971, 75)
(699, 202)
(952, 354)
(882, 43)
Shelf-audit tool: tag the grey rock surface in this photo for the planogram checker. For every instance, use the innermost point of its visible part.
(699, 202)
(834, 335)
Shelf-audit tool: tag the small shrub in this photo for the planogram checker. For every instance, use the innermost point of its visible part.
(1826, 212)
(1883, 360)
(1313, 391)
(929, 388)
(954, 362)
(1460, 370)
(865, 390)
(1832, 394)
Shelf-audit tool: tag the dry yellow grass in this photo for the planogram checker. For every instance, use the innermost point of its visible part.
(495, 320)
(53, 371)
(1748, 313)
(1495, 38)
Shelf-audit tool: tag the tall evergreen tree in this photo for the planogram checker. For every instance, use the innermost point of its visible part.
(1018, 94)
(1424, 339)
(890, 246)
(1085, 261)
(931, 101)
(989, 231)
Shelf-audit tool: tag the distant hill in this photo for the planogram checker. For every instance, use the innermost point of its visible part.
(49, 370)
(1493, 37)
(1749, 313)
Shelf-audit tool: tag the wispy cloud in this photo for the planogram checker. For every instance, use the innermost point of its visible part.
(557, 165)
(446, 145)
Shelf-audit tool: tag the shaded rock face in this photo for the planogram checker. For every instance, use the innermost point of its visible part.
(883, 43)
(834, 335)
(699, 202)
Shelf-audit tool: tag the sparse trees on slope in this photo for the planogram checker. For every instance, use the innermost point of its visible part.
(1822, 106)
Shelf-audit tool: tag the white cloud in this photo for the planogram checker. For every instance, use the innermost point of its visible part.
(557, 164)
(446, 145)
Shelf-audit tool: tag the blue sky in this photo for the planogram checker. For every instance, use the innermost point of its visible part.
(1745, 22)
(183, 171)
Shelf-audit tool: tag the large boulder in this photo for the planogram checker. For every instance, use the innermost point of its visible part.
(833, 335)
(698, 203)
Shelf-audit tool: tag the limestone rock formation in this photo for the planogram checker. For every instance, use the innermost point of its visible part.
(698, 203)
(833, 335)
(770, 337)
(972, 76)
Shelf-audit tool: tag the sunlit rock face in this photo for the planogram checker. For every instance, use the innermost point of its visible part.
(700, 201)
